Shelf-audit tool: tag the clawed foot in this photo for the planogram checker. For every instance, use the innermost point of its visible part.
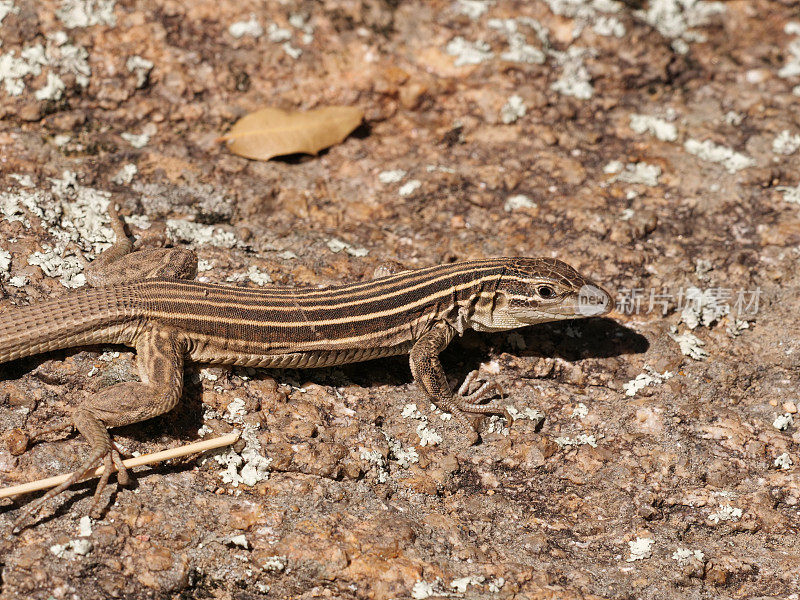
(465, 405)
(111, 460)
(470, 402)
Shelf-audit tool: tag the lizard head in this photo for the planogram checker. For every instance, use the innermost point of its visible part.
(538, 290)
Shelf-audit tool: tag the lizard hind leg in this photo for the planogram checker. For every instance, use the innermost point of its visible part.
(120, 264)
(160, 358)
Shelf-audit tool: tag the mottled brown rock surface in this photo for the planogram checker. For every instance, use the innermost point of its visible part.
(663, 468)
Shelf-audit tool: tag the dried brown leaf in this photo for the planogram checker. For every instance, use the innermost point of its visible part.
(274, 132)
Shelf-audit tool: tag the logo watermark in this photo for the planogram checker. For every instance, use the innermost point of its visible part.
(635, 301)
(592, 301)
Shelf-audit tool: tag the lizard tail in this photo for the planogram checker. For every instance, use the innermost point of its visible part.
(83, 317)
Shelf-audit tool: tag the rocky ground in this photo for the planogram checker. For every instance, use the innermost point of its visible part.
(651, 144)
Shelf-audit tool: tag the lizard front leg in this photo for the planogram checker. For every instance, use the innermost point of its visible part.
(120, 264)
(160, 360)
(429, 375)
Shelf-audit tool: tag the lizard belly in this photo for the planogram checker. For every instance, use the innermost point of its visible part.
(278, 359)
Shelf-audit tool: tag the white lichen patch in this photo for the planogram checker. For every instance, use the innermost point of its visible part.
(704, 307)
(519, 50)
(136, 140)
(640, 549)
(85, 13)
(608, 26)
(405, 457)
(640, 173)
(377, 459)
(641, 381)
(532, 414)
(258, 277)
(513, 110)
(707, 150)
(77, 547)
(427, 437)
(409, 187)
(579, 440)
(5, 263)
(468, 53)
(253, 274)
(423, 589)
(125, 174)
(518, 202)
(239, 540)
(588, 13)
(140, 67)
(6, 8)
(300, 21)
(68, 58)
(785, 143)
(197, 234)
(248, 467)
(792, 66)
(85, 526)
(23, 179)
(274, 564)
(61, 57)
(790, 194)
(784, 461)
(675, 19)
(737, 327)
(410, 411)
(575, 79)
(783, 422)
(690, 345)
(726, 512)
(13, 69)
(76, 219)
(684, 555)
(140, 221)
(53, 89)
(440, 168)
(580, 411)
(292, 51)
(661, 129)
(337, 245)
(249, 27)
(68, 270)
(278, 34)
(496, 585)
(393, 176)
(474, 9)
(460, 585)
(235, 409)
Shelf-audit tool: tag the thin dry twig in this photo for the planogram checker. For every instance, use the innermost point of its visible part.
(146, 459)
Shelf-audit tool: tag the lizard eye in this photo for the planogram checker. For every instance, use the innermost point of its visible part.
(545, 291)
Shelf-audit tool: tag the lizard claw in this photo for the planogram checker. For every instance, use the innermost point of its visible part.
(470, 402)
(112, 461)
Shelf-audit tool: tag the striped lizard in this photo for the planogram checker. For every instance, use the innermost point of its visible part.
(147, 300)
